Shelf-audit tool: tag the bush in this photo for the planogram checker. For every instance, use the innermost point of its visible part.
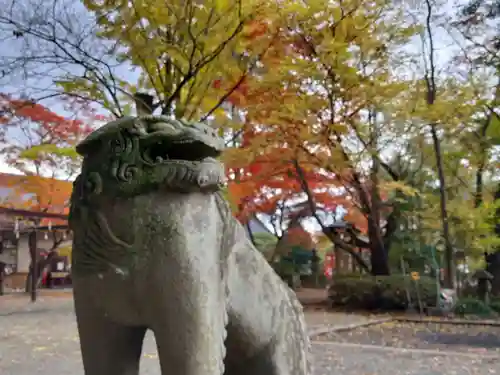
(310, 281)
(380, 292)
(495, 305)
(472, 306)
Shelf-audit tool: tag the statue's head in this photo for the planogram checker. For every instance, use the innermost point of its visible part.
(135, 155)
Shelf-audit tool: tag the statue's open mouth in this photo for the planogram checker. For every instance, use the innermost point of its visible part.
(162, 150)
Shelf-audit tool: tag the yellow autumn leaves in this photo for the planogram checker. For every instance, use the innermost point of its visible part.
(329, 82)
(179, 48)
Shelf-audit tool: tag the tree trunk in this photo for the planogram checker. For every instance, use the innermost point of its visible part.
(478, 198)
(326, 231)
(378, 253)
(449, 280)
(497, 214)
(431, 98)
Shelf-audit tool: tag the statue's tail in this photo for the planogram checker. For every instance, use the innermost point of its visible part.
(303, 340)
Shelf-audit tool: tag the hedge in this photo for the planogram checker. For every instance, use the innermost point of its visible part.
(495, 305)
(471, 306)
(313, 281)
(380, 292)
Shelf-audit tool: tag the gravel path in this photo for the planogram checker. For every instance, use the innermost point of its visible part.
(42, 339)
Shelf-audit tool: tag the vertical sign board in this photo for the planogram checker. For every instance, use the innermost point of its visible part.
(328, 265)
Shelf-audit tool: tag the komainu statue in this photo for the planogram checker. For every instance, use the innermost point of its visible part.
(156, 247)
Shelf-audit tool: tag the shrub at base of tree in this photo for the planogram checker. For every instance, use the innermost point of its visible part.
(312, 281)
(472, 307)
(389, 293)
(495, 305)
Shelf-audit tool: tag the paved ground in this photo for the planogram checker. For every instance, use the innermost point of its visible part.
(434, 336)
(42, 339)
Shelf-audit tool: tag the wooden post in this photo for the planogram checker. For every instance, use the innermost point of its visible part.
(407, 287)
(419, 298)
(34, 258)
(2, 278)
(144, 104)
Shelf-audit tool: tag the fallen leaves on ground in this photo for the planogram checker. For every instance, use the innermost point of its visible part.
(445, 337)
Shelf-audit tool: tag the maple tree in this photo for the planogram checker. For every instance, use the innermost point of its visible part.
(175, 51)
(328, 100)
(268, 186)
(39, 143)
(323, 106)
(264, 188)
(314, 95)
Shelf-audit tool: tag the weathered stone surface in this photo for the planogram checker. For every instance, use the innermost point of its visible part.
(156, 247)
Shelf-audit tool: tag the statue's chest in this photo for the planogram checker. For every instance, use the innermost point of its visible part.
(147, 230)
(143, 222)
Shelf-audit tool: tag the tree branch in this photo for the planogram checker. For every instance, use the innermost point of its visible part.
(312, 206)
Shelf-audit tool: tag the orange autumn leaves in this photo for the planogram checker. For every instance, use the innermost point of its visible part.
(260, 170)
(261, 179)
(288, 117)
(35, 193)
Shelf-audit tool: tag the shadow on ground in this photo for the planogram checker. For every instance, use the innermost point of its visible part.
(430, 336)
(481, 340)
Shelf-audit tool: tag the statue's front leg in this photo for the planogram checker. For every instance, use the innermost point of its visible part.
(108, 347)
(194, 344)
(187, 311)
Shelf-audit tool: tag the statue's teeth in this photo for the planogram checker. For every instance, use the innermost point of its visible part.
(159, 159)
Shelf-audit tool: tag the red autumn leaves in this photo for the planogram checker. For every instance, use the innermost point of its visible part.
(14, 111)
